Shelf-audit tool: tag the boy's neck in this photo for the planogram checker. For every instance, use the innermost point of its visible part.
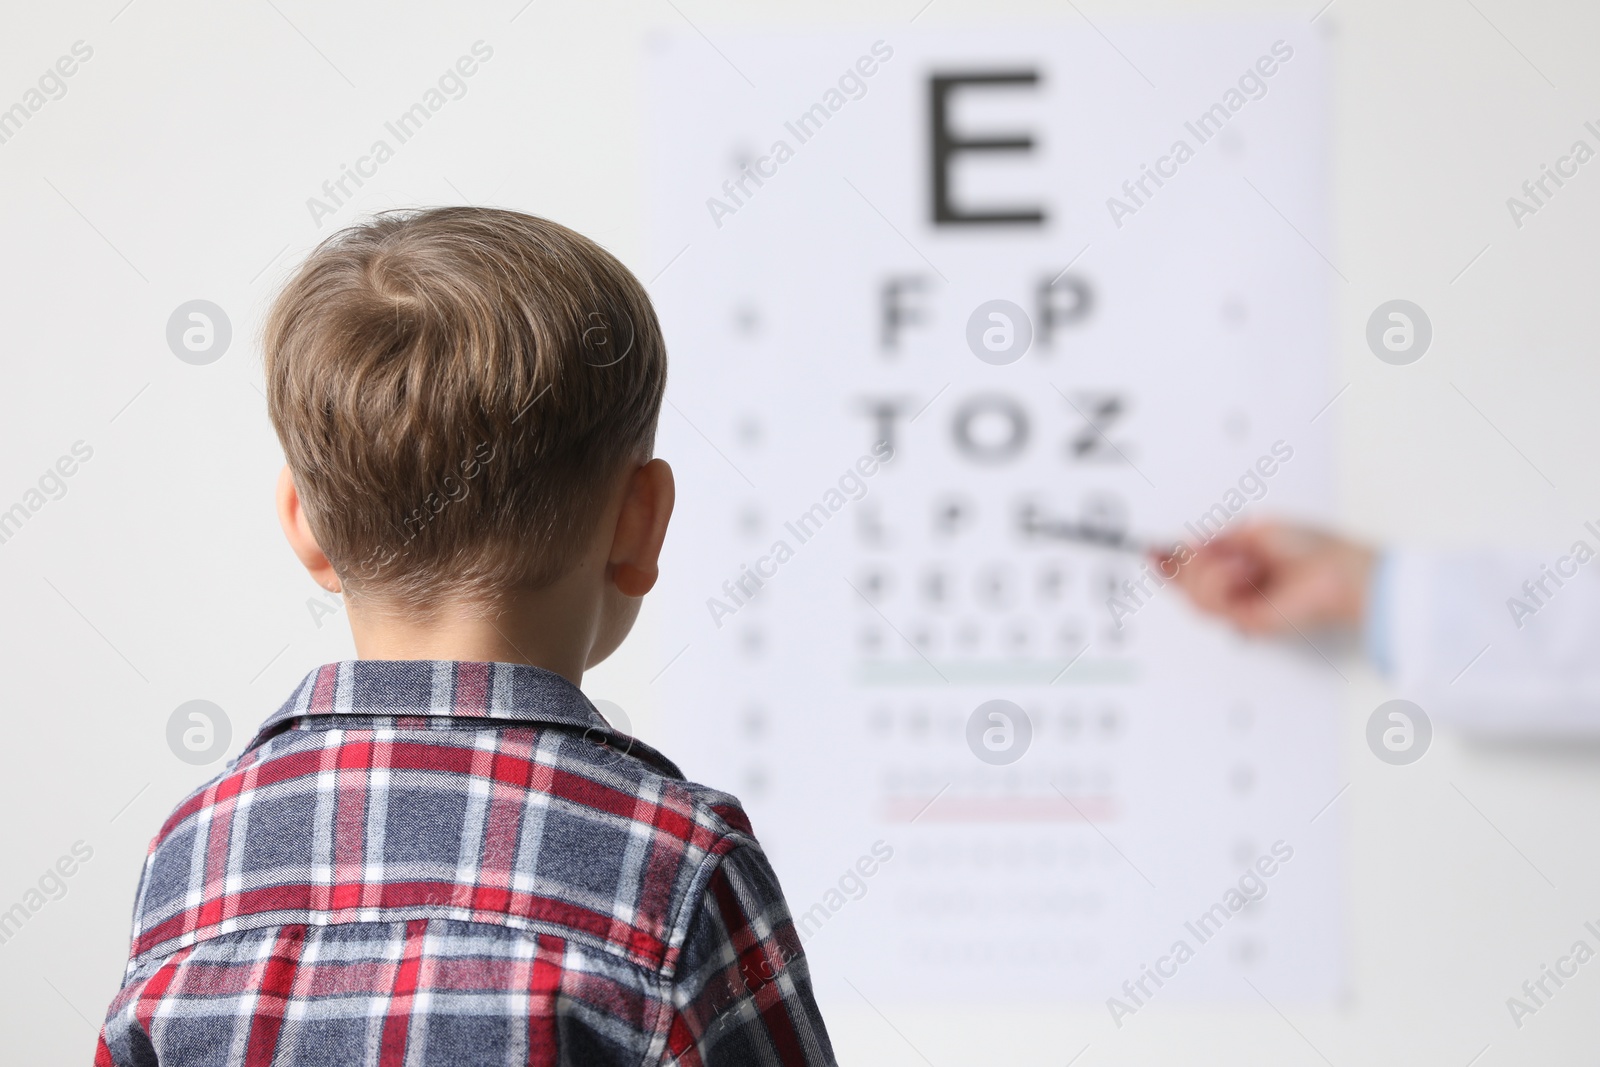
(546, 629)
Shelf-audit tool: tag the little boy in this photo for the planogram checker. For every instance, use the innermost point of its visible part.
(440, 853)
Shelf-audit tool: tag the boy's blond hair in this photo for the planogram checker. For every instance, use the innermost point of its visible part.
(456, 391)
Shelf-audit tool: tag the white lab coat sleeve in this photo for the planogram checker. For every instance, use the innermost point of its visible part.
(1498, 643)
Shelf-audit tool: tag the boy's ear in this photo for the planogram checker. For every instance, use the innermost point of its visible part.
(647, 499)
(304, 543)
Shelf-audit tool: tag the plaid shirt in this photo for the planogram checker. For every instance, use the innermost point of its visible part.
(436, 863)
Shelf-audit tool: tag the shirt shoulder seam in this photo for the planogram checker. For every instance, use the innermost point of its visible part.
(158, 957)
(699, 886)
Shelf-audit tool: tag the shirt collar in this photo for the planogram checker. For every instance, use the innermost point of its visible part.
(486, 694)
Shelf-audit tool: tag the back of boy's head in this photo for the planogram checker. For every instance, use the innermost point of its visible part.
(456, 391)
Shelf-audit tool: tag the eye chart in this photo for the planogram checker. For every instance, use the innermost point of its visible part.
(1077, 292)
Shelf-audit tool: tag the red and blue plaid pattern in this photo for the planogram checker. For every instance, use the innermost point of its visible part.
(436, 863)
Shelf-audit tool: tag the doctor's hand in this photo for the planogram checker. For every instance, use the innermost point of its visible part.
(1272, 578)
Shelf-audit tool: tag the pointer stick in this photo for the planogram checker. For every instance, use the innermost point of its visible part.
(1100, 537)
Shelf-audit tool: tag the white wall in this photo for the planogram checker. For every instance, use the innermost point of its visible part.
(177, 166)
